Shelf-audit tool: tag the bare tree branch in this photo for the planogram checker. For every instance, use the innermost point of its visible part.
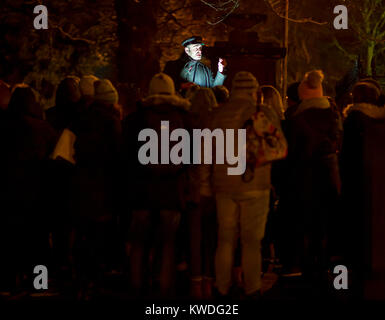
(226, 6)
(274, 5)
(70, 37)
(338, 46)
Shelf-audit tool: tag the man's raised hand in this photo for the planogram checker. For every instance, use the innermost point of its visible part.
(221, 65)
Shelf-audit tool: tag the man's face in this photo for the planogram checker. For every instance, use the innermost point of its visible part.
(194, 51)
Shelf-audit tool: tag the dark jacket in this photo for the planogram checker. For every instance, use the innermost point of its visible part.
(96, 181)
(67, 105)
(363, 188)
(314, 135)
(26, 141)
(147, 187)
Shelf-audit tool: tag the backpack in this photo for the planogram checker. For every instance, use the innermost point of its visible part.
(265, 142)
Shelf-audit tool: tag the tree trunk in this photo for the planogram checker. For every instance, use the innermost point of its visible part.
(369, 54)
(137, 57)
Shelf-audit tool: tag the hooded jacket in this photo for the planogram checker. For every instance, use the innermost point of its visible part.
(314, 130)
(312, 183)
(67, 104)
(215, 178)
(97, 152)
(363, 184)
(26, 141)
(145, 190)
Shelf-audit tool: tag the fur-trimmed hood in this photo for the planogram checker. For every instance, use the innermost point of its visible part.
(174, 100)
(370, 110)
(313, 103)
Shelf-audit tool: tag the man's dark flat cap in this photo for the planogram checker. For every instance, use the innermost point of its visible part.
(192, 40)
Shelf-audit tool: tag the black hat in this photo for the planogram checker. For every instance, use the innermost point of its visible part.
(193, 40)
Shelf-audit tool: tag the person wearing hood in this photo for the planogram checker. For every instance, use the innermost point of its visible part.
(189, 67)
(67, 104)
(362, 160)
(314, 133)
(95, 135)
(242, 206)
(201, 210)
(26, 141)
(87, 90)
(60, 117)
(155, 190)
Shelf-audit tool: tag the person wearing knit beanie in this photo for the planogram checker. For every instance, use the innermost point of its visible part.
(162, 91)
(105, 92)
(162, 84)
(244, 83)
(86, 85)
(311, 85)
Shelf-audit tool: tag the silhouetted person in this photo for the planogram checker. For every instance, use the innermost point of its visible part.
(66, 107)
(363, 178)
(314, 134)
(242, 203)
(201, 208)
(26, 141)
(155, 190)
(95, 185)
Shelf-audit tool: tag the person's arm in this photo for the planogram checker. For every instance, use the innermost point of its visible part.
(220, 76)
(219, 79)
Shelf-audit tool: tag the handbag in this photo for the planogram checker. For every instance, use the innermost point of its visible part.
(265, 143)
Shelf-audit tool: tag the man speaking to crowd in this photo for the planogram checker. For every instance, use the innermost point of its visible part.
(190, 69)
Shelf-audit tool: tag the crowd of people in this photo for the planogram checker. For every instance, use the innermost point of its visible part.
(76, 199)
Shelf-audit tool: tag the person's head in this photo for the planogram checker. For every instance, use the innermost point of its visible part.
(365, 92)
(162, 91)
(105, 92)
(292, 96)
(191, 90)
(193, 47)
(68, 91)
(311, 85)
(194, 51)
(272, 98)
(24, 101)
(86, 85)
(161, 84)
(245, 85)
(203, 100)
(221, 94)
(5, 95)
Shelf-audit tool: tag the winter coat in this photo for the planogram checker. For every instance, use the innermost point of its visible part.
(67, 105)
(26, 141)
(363, 188)
(203, 109)
(144, 188)
(215, 178)
(314, 134)
(97, 153)
(198, 73)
